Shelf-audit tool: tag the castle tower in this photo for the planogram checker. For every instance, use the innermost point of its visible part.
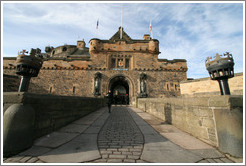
(81, 43)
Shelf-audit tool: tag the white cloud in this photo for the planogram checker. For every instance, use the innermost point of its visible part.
(185, 31)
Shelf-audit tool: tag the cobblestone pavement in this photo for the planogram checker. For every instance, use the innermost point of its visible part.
(120, 139)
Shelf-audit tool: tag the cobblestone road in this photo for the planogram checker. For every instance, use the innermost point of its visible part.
(120, 139)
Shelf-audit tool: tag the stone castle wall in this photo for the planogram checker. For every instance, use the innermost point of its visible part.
(81, 82)
(76, 78)
(11, 83)
(208, 87)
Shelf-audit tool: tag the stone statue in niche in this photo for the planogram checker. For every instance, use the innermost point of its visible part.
(97, 83)
(143, 92)
(142, 87)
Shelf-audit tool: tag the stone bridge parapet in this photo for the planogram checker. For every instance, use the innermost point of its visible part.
(27, 116)
(216, 120)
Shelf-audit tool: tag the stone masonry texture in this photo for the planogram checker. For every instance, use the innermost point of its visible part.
(208, 87)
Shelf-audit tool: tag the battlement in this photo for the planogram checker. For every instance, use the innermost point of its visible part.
(124, 44)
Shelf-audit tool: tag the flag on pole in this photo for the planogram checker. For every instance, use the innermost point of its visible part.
(121, 21)
(150, 27)
(97, 23)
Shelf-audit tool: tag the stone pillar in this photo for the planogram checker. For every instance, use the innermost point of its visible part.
(229, 124)
(18, 129)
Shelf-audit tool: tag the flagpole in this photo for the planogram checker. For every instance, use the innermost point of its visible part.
(152, 34)
(150, 28)
(121, 22)
(97, 34)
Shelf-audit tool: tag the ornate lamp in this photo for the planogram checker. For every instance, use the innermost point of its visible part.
(28, 66)
(220, 68)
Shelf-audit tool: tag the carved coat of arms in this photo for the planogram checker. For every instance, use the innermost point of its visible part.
(120, 63)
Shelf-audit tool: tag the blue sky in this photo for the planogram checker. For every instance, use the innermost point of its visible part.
(191, 31)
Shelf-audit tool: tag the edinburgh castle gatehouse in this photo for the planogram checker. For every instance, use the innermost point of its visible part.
(128, 67)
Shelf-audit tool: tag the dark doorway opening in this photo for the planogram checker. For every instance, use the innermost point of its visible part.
(120, 88)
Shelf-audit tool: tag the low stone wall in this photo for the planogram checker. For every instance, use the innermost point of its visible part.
(216, 120)
(208, 87)
(53, 112)
(28, 116)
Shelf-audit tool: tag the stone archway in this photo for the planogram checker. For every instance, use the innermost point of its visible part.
(120, 86)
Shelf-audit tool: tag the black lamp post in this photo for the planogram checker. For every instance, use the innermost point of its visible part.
(28, 66)
(220, 68)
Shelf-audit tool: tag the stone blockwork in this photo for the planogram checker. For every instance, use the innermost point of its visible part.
(203, 117)
(208, 87)
(53, 112)
(11, 83)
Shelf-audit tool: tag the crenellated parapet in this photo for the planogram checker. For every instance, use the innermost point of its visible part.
(175, 64)
(137, 46)
(124, 44)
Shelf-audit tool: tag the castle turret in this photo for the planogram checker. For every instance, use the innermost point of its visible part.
(94, 45)
(146, 37)
(153, 46)
(81, 44)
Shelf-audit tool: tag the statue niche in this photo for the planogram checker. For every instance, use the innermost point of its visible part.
(97, 82)
(143, 92)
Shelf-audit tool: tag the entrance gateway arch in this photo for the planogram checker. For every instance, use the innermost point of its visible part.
(121, 87)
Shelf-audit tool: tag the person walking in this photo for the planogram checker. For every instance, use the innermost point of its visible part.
(110, 100)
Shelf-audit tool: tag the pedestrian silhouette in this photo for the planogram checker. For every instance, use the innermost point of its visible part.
(109, 100)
